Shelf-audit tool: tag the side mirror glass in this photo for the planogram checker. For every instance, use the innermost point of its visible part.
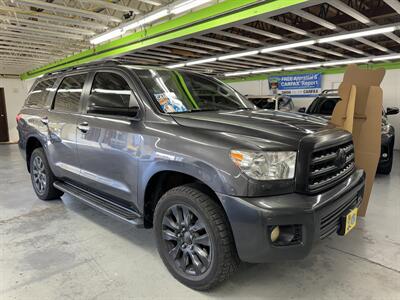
(392, 111)
(302, 109)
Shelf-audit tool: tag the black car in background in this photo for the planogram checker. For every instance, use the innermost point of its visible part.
(284, 102)
(324, 104)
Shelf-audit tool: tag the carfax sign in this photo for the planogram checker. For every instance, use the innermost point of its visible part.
(301, 85)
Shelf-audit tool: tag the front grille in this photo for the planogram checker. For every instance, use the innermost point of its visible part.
(330, 217)
(328, 168)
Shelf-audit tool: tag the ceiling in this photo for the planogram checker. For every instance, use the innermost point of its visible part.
(36, 32)
(38, 35)
(326, 18)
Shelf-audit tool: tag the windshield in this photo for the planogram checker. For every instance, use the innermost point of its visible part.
(182, 92)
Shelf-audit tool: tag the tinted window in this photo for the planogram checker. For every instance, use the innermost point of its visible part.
(111, 90)
(38, 95)
(69, 93)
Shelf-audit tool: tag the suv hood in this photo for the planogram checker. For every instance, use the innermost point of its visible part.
(273, 127)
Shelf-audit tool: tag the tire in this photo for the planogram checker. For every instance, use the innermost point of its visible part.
(386, 168)
(206, 219)
(42, 177)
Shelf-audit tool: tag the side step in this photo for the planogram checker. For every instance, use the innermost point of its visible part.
(104, 205)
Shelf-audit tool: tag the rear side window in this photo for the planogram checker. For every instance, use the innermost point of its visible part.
(111, 90)
(69, 93)
(38, 95)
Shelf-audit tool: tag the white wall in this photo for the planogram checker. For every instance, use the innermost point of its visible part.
(15, 93)
(390, 86)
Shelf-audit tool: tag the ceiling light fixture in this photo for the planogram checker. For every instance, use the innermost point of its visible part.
(317, 65)
(187, 5)
(106, 36)
(175, 66)
(237, 73)
(146, 20)
(387, 57)
(288, 46)
(202, 61)
(346, 62)
(357, 34)
(270, 70)
(236, 55)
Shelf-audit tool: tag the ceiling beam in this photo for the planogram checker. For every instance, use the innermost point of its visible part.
(47, 25)
(114, 6)
(238, 37)
(23, 13)
(69, 10)
(42, 31)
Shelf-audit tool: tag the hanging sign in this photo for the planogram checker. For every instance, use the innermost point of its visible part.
(300, 85)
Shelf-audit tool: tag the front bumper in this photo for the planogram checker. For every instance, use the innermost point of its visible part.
(316, 216)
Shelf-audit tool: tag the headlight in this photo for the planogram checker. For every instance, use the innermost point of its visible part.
(385, 129)
(265, 165)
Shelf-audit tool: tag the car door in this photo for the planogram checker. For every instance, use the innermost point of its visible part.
(108, 140)
(61, 121)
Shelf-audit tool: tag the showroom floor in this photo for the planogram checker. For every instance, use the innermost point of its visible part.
(64, 249)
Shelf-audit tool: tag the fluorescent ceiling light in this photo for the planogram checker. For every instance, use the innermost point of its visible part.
(119, 31)
(175, 66)
(302, 66)
(146, 20)
(187, 5)
(357, 34)
(202, 61)
(237, 73)
(107, 36)
(266, 70)
(288, 46)
(236, 55)
(346, 62)
(387, 57)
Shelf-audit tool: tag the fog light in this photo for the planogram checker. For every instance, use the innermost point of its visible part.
(384, 155)
(275, 234)
(285, 235)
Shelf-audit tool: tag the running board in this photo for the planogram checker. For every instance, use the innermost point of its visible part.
(104, 205)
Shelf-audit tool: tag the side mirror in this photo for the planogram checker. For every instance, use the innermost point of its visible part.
(302, 109)
(392, 111)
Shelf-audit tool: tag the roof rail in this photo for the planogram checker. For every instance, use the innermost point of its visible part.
(108, 62)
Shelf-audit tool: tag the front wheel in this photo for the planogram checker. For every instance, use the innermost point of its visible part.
(194, 238)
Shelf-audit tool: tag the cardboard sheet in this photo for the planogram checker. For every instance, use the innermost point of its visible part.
(360, 112)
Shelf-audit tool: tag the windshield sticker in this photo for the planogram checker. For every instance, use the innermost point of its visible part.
(170, 103)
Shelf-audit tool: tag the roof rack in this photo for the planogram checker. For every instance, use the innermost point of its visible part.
(329, 91)
(108, 62)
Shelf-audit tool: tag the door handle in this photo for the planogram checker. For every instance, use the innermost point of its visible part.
(45, 120)
(84, 127)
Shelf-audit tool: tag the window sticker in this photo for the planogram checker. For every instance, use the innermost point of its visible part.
(170, 103)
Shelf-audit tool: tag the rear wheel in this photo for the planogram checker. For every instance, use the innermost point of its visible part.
(194, 239)
(42, 177)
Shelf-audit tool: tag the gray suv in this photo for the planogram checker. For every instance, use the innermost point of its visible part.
(219, 180)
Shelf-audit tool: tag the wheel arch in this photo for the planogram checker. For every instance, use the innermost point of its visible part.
(32, 143)
(159, 183)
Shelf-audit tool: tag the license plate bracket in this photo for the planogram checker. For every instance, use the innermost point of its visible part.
(348, 221)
